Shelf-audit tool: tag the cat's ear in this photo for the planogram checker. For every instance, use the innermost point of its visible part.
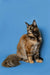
(34, 23)
(27, 24)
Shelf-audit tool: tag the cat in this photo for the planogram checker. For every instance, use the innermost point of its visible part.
(27, 48)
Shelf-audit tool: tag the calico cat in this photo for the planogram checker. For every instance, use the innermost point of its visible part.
(27, 48)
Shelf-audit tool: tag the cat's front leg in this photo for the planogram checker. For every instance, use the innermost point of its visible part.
(30, 59)
(37, 58)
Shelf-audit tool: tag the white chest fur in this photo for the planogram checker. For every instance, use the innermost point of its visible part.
(34, 42)
(35, 48)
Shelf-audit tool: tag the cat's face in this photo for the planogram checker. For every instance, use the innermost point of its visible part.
(33, 29)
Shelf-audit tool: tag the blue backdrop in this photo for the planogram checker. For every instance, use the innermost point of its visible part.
(13, 14)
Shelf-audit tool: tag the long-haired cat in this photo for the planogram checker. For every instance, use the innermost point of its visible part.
(27, 48)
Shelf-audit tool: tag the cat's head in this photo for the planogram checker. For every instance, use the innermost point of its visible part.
(32, 28)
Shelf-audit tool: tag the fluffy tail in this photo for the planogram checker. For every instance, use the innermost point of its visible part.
(11, 61)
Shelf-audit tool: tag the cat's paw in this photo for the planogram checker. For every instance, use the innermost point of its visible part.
(39, 60)
(26, 61)
(31, 61)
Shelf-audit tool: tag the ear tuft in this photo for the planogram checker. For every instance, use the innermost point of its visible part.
(34, 23)
(27, 24)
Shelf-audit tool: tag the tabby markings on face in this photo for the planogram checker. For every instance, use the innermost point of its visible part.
(33, 31)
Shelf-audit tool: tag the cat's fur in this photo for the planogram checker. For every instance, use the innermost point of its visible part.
(27, 48)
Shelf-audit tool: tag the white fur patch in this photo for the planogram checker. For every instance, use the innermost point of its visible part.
(40, 38)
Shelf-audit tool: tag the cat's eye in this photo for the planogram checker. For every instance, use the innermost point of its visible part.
(31, 27)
